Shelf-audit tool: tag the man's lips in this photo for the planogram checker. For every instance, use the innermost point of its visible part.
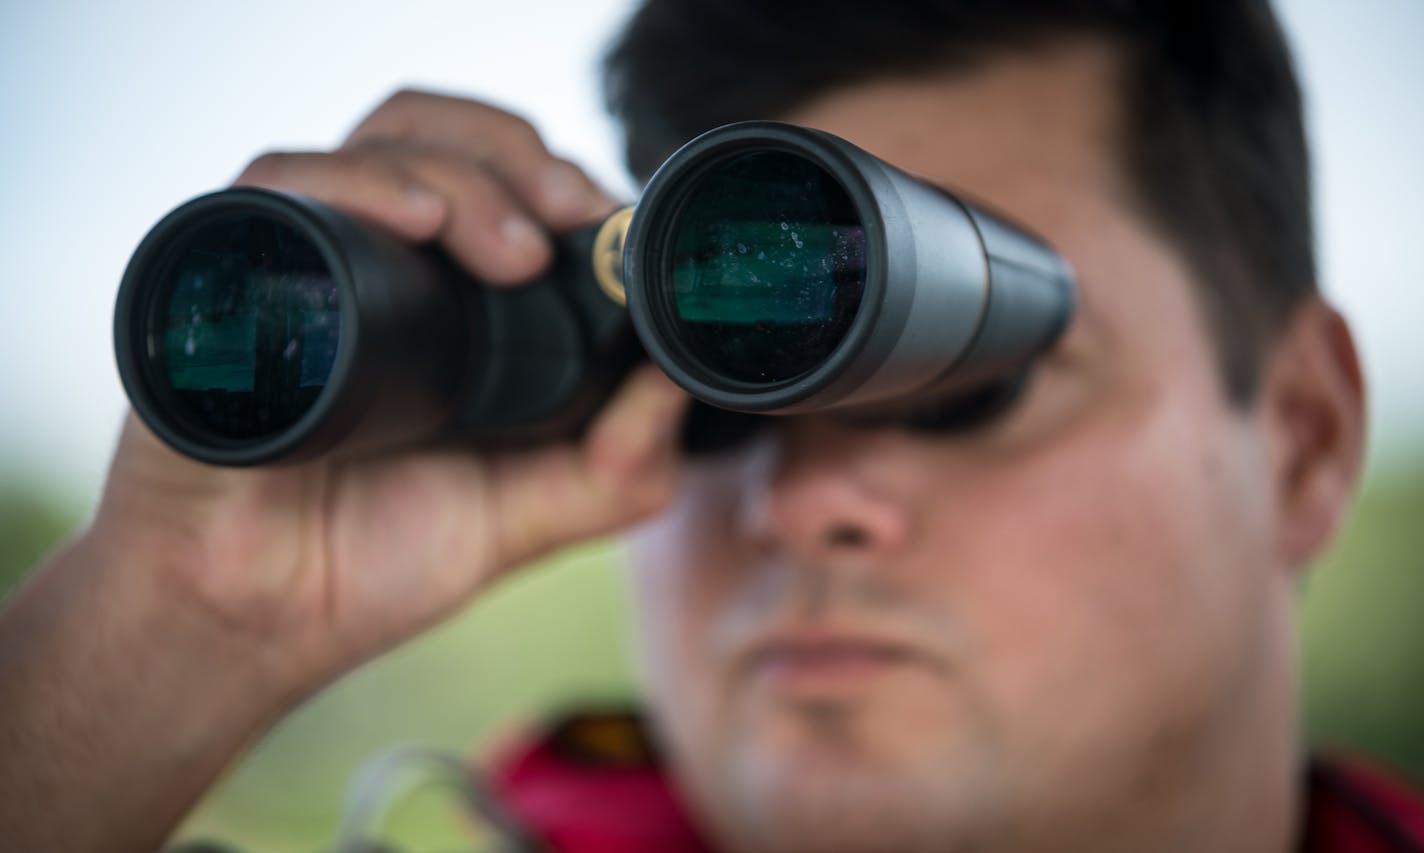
(812, 662)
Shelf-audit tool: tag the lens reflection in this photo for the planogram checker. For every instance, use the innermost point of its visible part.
(250, 329)
(768, 268)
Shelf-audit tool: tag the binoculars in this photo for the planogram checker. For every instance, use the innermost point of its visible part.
(768, 269)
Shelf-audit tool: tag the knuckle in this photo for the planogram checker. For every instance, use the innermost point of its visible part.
(501, 128)
(392, 116)
(403, 98)
(349, 161)
(517, 126)
(515, 133)
(267, 167)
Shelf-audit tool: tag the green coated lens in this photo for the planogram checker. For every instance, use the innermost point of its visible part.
(768, 268)
(248, 332)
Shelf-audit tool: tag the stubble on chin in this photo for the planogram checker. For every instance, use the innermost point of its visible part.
(815, 784)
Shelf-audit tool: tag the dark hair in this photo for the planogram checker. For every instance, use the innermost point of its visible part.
(1212, 144)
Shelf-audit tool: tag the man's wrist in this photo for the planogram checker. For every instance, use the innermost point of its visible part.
(179, 652)
(104, 681)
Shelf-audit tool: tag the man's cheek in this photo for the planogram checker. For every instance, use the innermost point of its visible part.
(676, 594)
(1100, 591)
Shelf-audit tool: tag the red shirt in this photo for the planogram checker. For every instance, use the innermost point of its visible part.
(594, 785)
(1353, 808)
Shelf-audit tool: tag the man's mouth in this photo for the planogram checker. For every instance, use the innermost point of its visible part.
(819, 664)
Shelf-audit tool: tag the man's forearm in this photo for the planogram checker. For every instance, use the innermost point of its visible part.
(118, 706)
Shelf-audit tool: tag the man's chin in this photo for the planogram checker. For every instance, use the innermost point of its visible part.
(813, 777)
(822, 725)
(827, 801)
(799, 734)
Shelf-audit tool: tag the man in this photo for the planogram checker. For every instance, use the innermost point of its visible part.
(1069, 628)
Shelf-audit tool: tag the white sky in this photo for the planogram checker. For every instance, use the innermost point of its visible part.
(114, 112)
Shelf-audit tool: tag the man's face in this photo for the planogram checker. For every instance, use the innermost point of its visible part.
(1006, 639)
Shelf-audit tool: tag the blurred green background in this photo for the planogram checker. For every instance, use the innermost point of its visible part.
(462, 687)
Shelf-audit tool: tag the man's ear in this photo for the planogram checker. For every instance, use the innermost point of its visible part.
(1313, 404)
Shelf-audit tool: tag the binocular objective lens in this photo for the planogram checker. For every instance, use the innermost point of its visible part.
(244, 331)
(767, 268)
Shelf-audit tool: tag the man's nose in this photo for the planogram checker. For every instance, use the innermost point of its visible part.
(829, 492)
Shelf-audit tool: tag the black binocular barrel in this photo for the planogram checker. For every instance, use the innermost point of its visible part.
(778, 269)
(254, 326)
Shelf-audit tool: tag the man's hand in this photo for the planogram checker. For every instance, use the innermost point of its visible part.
(230, 593)
(327, 563)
